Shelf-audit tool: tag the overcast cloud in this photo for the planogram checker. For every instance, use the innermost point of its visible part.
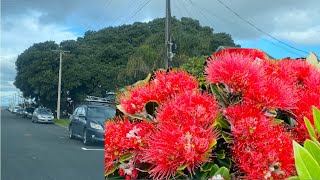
(24, 22)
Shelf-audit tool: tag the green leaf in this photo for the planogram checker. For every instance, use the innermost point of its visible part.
(277, 121)
(135, 116)
(207, 166)
(316, 118)
(126, 157)
(221, 154)
(313, 149)
(224, 172)
(306, 165)
(112, 170)
(226, 162)
(222, 122)
(214, 169)
(182, 167)
(204, 176)
(312, 59)
(315, 141)
(213, 143)
(227, 137)
(310, 128)
(293, 178)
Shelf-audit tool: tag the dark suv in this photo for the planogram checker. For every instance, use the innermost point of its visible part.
(88, 122)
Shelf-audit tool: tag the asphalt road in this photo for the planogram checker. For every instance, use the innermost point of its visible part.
(44, 152)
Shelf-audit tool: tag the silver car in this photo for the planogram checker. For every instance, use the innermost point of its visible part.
(42, 115)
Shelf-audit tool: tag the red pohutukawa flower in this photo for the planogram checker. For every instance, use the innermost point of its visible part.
(163, 86)
(272, 93)
(238, 71)
(189, 108)
(122, 136)
(173, 147)
(255, 53)
(293, 71)
(261, 149)
(185, 134)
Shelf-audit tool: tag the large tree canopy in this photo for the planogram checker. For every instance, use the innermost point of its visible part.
(110, 58)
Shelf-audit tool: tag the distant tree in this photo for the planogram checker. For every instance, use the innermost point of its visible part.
(111, 58)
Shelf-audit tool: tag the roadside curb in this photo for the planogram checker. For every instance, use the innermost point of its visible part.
(60, 125)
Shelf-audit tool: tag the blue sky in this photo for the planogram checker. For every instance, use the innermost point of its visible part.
(26, 22)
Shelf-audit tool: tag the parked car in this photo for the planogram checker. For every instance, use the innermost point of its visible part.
(27, 112)
(19, 112)
(15, 109)
(42, 115)
(88, 122)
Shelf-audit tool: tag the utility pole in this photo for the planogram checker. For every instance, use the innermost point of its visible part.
(59, 83)
(168, 43)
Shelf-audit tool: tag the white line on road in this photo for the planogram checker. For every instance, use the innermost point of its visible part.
(87, 149)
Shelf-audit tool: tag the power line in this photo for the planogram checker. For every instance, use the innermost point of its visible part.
(200, 12)
(137, 11)
(233, 23)
(185, 8)
(102, 18)
(259, 28)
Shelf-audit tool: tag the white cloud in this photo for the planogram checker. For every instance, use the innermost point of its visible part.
(299, 26)
(18, 33)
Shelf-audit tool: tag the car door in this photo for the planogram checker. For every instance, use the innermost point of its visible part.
(82, 120)
(74, 120)
(34, 115)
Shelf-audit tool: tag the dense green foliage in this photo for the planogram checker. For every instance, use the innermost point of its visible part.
(110, 58)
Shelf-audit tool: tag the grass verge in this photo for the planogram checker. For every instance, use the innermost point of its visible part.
(62, 122)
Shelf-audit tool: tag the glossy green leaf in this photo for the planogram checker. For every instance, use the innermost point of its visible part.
(207, 166)
(224, 172)
(182, 167)
(306, 165)
(316, 118)
(221, 154)
(227, 137)
(135, 116)
(126, 157)
(315, 141)
(312, 59)
(204, 176)
(214, 169)
(293, 178)
(310, 128)
(313, 149)
(112, 170)
(222, 122)
(226, 162)
(213, 143)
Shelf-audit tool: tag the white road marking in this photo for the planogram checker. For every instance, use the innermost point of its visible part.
(88, 149)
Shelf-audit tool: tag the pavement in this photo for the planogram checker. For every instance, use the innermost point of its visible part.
(31, 151)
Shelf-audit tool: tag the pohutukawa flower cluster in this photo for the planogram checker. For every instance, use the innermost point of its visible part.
(241, 125)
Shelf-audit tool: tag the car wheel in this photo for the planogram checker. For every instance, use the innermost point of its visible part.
(71, 136)
(86, 139)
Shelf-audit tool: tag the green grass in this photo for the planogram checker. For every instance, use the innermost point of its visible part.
(62, 122)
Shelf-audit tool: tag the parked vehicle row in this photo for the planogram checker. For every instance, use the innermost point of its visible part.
(43, 115)
(86, 123)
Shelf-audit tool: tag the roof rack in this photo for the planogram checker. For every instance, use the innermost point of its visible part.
(98, 100)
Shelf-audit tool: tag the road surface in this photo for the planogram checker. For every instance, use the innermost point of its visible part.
(44, 152)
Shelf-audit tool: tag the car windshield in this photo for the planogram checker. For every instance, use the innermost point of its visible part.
(102, 112)
(43, 111)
